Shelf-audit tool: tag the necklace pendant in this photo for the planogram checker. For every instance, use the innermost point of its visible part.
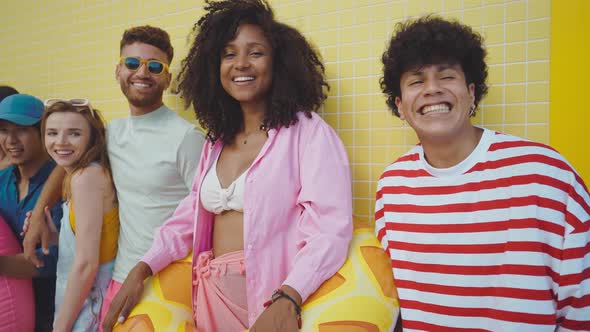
(245, 141)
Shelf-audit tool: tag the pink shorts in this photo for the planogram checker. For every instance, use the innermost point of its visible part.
(112, 290)
(221, 303)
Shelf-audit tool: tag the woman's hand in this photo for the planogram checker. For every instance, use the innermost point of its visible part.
(127, 297)
(53, 232)
(280, 316)
(40, 230)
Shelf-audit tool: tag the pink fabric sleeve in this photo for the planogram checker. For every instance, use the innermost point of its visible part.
(173, 240)
(325, 226)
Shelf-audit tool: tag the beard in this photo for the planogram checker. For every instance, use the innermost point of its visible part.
(140, 99)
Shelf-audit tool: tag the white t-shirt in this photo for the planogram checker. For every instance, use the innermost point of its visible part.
(154, 158)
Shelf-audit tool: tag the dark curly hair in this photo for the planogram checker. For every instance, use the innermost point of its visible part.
(298, 80)
(6, 91)
(150, 35)
(433, 40)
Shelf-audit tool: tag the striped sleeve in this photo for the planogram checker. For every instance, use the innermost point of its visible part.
(401, 168)
(379, 220)
(573, 295)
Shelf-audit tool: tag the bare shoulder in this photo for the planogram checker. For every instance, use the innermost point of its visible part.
(91, 176)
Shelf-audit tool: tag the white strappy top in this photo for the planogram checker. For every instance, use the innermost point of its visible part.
(216, 199)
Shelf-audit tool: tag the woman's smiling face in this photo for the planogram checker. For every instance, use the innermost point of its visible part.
(67, 135)
(246, 65)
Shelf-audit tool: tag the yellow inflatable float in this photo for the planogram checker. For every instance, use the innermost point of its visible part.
(360, 297)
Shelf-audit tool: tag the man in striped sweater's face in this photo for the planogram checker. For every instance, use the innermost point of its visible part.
(436, 101)
(434, 76)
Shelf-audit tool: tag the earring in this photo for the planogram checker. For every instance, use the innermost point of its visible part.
(472, 110)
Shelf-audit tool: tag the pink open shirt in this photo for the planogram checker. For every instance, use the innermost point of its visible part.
(297, 213)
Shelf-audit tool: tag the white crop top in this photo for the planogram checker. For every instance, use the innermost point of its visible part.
(216, 199)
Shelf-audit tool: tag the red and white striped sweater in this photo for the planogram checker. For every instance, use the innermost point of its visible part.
(499, 242)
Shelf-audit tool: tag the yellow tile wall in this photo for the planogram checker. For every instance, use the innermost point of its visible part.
(570, 35)
(68, 48)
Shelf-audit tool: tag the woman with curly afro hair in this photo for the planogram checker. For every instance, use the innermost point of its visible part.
(269, 218)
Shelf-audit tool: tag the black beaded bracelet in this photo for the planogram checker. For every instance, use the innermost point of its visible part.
(277, 294)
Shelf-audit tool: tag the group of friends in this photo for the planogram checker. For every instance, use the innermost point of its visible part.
(485, 231)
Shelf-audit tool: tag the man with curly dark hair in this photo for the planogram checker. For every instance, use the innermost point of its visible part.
(271, 200)
(486, 231)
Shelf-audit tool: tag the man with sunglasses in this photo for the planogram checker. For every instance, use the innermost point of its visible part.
(153, 152)
(20, 186)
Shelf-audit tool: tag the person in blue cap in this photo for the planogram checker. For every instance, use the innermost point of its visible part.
(20, 186)
(5, 91)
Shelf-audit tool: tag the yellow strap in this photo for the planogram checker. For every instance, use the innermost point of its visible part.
(109, 233)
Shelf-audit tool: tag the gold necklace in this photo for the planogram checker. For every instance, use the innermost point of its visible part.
(261, 128)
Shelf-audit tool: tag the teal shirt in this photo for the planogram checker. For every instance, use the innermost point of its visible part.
(14, 213)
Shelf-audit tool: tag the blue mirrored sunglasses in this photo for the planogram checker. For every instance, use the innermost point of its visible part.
(153, 66)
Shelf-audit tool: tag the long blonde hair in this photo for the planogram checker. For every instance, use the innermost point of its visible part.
(97, 145)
